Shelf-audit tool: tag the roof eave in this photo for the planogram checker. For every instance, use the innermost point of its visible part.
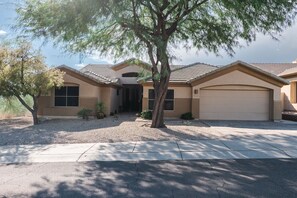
(84, 75)
(277, 78)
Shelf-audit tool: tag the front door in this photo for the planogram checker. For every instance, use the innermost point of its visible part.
(132, 98)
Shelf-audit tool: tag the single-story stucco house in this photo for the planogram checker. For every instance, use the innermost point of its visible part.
(238, 91)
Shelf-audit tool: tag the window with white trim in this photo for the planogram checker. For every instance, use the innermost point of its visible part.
(67, 96)
(168, 103)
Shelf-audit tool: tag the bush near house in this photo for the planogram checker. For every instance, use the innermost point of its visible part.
(147, 114)
(100, 110)
(187, 116)
(84, 114)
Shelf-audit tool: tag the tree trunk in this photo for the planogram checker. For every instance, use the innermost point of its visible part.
(35, 117)
(160, 88)
(158, 112)
(35, 110)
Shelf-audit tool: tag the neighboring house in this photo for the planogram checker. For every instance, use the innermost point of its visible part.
(238, 91)
(286, 71)
(290, 91)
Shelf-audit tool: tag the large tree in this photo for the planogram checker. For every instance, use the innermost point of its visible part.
(24, 73)
(152, 27)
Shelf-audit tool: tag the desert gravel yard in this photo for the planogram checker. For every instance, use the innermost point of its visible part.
(122, 128)
(126, 127)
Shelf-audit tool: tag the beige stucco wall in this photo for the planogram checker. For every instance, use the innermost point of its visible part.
(115, 100)
(128, 69)
(182, 100)
(240, 80)
(89, 95)
(289, 102)
(111, 100)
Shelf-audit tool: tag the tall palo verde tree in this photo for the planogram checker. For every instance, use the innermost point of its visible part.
(149, 28)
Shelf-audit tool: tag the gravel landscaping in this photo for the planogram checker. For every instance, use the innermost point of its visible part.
(124, 127)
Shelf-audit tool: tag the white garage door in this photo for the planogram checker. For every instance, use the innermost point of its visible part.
(234, 105)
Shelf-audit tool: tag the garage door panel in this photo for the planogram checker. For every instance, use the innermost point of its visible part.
(234, 105)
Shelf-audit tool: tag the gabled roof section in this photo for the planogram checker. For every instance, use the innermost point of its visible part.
(275, 68)
(182, 74)
(132, 61)
(238, 65)
(100, 70)
(88, 76)
(186, 73)
(289, 72)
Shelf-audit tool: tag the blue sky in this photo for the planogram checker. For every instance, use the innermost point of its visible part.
(264, 49)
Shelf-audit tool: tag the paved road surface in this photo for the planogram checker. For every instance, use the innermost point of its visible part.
(202, 178)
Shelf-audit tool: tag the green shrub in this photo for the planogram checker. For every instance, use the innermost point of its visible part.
(84, 114)
(187, 116)
(100, 110)
(147, 114)
(100, 107)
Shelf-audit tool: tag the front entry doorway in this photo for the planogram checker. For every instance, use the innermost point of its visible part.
(132, 98)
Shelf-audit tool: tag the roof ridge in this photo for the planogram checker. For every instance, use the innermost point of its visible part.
(86, 66)
(193, 64)
(78, 72)
(244, 64)
(101, 76)
(276, 63)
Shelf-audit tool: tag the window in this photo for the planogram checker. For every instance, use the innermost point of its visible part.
(67, 96)
(130, 74)
(169, 100)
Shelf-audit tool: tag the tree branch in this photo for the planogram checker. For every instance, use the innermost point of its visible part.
(24, 103)
(181, 15)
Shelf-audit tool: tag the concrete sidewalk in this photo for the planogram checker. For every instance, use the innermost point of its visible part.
(253, 148)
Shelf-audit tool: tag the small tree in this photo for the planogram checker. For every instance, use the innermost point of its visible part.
(152, 27)
(24, 73)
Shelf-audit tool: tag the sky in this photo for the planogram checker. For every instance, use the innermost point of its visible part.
(263, 50)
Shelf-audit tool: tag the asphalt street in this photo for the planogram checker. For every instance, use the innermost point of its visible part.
(197, 178)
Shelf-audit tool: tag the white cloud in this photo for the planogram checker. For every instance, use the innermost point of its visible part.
(80, 65)
(95, 56)
(2, 33)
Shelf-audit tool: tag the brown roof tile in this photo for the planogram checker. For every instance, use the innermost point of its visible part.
(274, 68)
(289, 71)
(191, 71)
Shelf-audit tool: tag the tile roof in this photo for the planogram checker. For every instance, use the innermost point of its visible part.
(275, 68)
(289, 71)
(250, 66)
(102, 71)
(186, 73)
(89, 75)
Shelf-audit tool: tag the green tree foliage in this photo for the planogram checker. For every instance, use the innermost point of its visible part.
(151, 28)
(23, 73)
(12, 106)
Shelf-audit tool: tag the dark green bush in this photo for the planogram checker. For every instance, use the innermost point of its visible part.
(100, 110)
(147, 114)
(84, 114)
(187, 116)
